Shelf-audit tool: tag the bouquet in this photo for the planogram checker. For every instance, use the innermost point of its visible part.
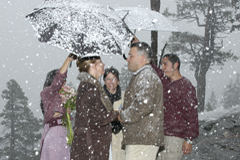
(68, 96)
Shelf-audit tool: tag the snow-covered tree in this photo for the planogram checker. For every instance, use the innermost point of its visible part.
(212, 102)
(236, 19)
(214, 16)
(29, 134)
(125, 77)
(231, 94)
(21, 128)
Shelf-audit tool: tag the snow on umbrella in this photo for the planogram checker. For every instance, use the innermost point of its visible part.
(144, 19)
(80, 27)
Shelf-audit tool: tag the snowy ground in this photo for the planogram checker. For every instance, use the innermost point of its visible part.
(218, 113)
(219, 135)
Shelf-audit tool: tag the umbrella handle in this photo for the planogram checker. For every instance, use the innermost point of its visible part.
(159, 64)
(124, 56)
(73, 56)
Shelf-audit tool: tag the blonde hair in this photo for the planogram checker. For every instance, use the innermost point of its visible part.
(84, 65)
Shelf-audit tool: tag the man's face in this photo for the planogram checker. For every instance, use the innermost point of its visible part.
(133, 60)
(167, 67)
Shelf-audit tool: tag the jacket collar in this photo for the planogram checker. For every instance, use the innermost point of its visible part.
(85, 77)
(144, 67)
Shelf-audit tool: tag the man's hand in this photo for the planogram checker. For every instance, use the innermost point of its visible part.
(186, 148)
(134, 40)
(119, 117)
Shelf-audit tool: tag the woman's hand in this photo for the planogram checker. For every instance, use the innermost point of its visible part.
(56, 114)
(72, 57)
(66, 63)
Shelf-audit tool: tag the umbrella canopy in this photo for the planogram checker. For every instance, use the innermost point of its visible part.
(80, 27)
(145, 19)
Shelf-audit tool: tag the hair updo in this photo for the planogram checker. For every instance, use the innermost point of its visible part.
(84, 64)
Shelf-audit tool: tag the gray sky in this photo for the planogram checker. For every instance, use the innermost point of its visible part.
(26, 60)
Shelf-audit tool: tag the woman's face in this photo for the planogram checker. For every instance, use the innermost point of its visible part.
(111, 82)
(99, 67)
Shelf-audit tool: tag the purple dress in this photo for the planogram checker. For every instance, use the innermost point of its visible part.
(54, 143)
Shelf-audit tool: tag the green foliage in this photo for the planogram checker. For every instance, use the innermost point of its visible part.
(231, 94)
(21, 128)
(68, 96)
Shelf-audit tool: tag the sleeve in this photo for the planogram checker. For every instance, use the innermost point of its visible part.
(191, 113)
(53, 89)
(143, 102)
(96, 115)
(160, 73)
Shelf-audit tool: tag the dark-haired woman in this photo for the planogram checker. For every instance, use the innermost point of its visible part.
(53, 142)
(113, 90)
(94, 113)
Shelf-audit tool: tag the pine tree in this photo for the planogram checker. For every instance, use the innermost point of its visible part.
(29, 134)
(236, 90)
(20, 126)
(212, 102)
(231, 94)
(227, 94)
(236, 20)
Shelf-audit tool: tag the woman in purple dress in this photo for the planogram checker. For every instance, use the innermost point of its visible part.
(54, 143)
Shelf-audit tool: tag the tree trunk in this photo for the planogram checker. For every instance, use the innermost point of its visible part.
(207, 55)
(12, 138)
(201, 91)
(154, 46)
(155, 6)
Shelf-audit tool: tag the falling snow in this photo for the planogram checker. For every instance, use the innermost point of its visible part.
(26, 60)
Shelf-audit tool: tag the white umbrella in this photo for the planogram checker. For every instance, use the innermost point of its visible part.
(144, 19)
(80, 27)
